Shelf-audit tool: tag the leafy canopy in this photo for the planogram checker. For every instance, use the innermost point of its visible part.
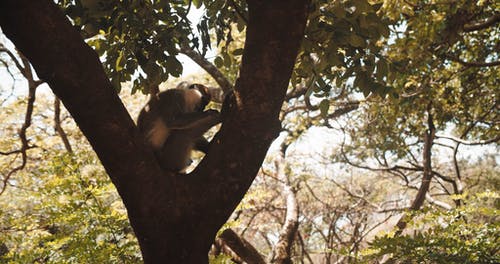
(139, 39)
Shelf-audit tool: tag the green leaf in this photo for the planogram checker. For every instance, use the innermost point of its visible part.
(320, 84)
(362, 81)
(324, 105)
(238, 52)
(357, 41)
(174, 67)
(362, 6)
(338, 11)
(383, 29)
(115, 81)
(227, 59)
(240, 24)
(218, 62)
(382, 69)
(197, 3)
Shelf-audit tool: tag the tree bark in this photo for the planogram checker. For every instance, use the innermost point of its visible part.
(241, 248)
(427, 173)
(283, 249)
(57, 125)
(221, 80)
(175, 217)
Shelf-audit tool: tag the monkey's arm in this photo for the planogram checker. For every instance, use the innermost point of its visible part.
(194, 120)
(201, 144)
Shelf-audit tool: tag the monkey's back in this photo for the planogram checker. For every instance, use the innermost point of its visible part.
(153, 118)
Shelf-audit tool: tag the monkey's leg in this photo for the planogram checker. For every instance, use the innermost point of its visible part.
(176, 152)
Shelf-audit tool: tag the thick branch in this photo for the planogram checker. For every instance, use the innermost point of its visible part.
(431, 200)
(282, 250)
(471, 143)
(223, 82)
(251, 113)
(427, 174)
(165, 210)
(482, 24)
(73, 71)
(242, 248)
(472, 63)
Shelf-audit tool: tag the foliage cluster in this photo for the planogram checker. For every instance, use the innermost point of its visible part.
(66, 211)
(467, 234)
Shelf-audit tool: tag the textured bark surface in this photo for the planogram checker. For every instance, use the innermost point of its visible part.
(239, 248)
(427, 173)
(288, 232)
(175, 217)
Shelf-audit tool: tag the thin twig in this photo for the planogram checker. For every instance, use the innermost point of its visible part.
(57, 125)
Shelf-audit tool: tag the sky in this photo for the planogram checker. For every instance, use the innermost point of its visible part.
(191, 67)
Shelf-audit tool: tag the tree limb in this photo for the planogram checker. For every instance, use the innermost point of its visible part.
(223, 82)
(431, 200)
(473, 63)
(282, 249)
(13, 58)
(73, 71)
(57, 125)
(427, 174)
(250, 114)
(22, 135)
(242, 248)
(470, 143)
(25, 68)
(482, 24)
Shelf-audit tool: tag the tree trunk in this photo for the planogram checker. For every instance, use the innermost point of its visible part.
(174, 217)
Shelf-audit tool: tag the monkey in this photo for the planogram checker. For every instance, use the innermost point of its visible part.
(164, 110)
(173, 123)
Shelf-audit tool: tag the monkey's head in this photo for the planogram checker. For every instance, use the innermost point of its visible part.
(205, 95)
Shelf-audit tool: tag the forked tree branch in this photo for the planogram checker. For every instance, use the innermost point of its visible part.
(24, 67)
(427, 173)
